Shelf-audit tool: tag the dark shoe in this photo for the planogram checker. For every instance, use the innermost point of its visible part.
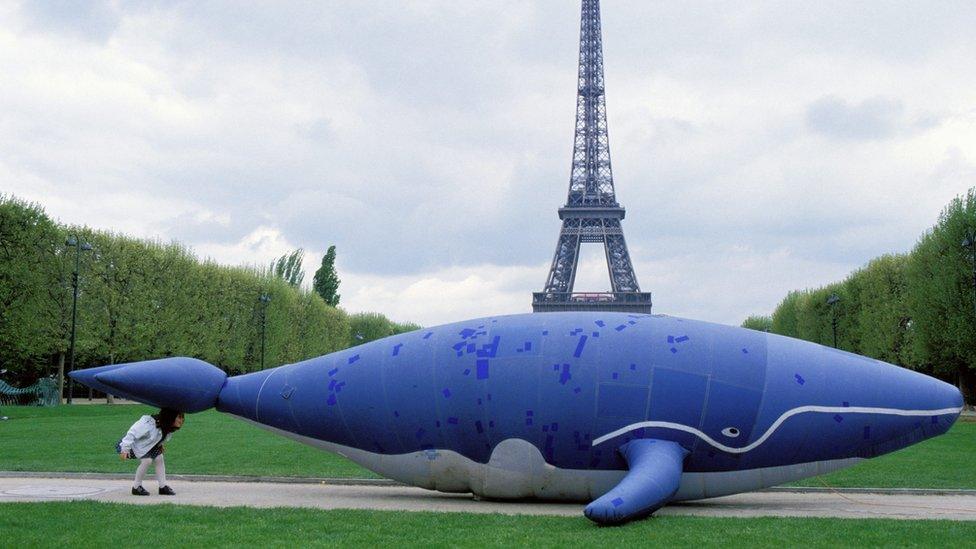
(166, 491)
(140, 491)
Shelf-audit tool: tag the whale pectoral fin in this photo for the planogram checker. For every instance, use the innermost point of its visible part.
(655, 473)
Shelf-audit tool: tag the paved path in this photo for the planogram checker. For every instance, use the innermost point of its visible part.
(404, 498)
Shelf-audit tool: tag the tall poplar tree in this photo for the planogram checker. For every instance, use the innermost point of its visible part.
(289, 268)
(326, 281)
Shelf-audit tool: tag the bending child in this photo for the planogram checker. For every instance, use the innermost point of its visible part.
(144, 441)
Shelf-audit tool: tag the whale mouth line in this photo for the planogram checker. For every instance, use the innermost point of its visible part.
(776, 424)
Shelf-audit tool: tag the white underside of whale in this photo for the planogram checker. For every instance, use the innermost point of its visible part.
(517, 470)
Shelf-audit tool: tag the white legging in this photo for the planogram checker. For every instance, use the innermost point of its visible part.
(160, 467)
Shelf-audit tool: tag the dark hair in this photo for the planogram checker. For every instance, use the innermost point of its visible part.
(166, 418)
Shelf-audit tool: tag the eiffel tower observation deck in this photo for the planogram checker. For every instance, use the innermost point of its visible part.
(591, 213)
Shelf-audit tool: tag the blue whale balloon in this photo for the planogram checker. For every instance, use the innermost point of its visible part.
(627, 412)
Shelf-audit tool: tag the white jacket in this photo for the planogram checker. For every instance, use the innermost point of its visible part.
(142, 436)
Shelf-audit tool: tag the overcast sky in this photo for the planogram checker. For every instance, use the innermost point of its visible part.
(757, 148)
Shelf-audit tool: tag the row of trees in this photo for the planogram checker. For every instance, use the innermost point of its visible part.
(366, 327)
(916, 309)
(143, 299)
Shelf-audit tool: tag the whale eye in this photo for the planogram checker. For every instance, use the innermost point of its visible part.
(731, 432)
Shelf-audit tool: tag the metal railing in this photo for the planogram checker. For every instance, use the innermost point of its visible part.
(639, 302)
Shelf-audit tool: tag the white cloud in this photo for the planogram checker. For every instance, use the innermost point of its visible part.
(757, 148)
(442, 296)
(257, 248)
(872, 118)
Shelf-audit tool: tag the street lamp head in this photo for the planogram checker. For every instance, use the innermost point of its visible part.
(71, 241)
(833, 299)
(970, 240)
(85, 247)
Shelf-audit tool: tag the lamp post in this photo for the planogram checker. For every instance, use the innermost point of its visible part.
(79, 246)
(833, 300)
(264, 299)
(3, 418)
(970, 243)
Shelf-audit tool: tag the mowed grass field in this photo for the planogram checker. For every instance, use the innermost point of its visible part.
(942, 462)
(59, 524)
(82, 438)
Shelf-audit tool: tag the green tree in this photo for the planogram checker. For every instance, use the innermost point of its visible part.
(883, 319)
(28, 244)
(784, 316)
(326, 280)
(289, 268)
(940, 296)
(816, 316)
(762, 323)
(118, 306)
(366, 327)
(807, 314)
(404, 327)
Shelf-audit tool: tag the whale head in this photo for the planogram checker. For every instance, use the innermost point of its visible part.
(802, 403)
(830, 404)
(739, 399)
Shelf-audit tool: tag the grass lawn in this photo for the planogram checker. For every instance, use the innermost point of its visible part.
(105, 525)
(942, 462)
(82, 438)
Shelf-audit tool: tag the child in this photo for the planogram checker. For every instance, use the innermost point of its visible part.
(144, 440)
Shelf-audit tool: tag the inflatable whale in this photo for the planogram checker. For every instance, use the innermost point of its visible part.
(626, 412)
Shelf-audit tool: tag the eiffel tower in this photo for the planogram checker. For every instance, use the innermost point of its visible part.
(591, 213)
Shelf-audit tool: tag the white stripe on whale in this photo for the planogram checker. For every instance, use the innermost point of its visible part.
(786, 415)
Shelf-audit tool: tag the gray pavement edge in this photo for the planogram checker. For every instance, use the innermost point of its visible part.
(338, 481)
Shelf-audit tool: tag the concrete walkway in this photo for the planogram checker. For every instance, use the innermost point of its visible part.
(405, 498)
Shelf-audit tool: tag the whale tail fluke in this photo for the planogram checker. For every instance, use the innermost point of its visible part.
(181, 383)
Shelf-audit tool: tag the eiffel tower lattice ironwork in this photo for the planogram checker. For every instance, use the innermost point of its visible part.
(591, 213)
